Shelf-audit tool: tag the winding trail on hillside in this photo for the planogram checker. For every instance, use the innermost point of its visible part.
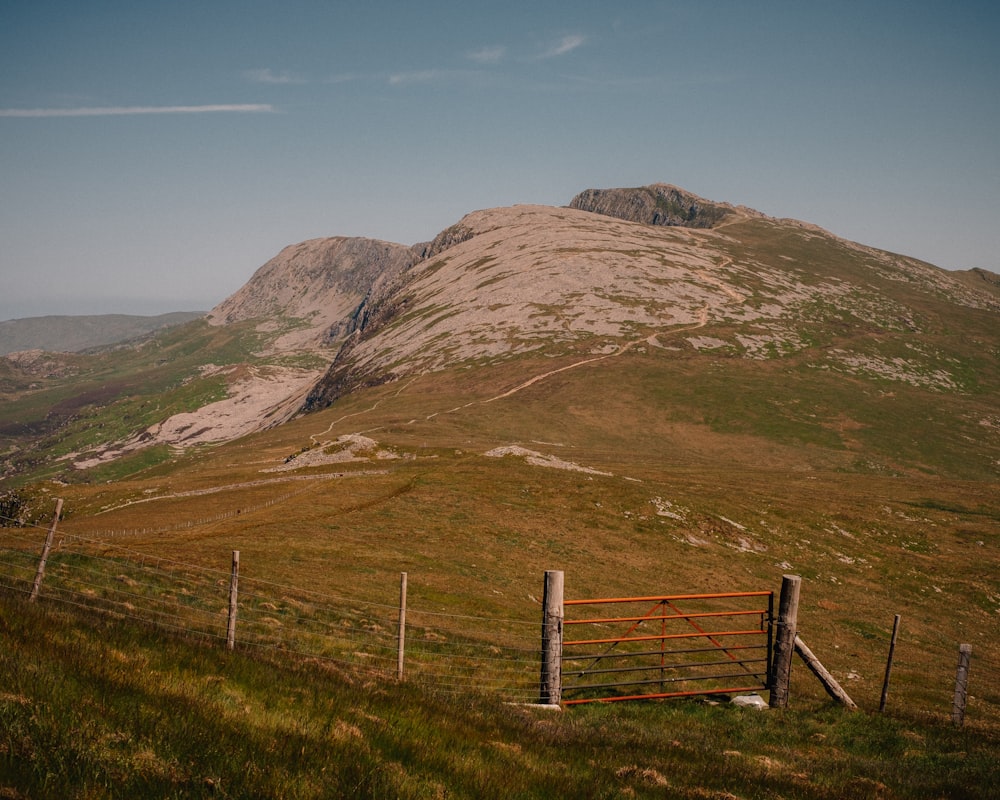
(315, 436)
(242, 485)
(652, 339)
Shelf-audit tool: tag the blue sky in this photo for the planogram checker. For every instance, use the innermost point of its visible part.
(154, 154)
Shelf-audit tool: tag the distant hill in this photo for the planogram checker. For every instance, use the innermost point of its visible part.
(73, 334)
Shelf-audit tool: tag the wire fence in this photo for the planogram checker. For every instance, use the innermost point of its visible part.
(450, 652)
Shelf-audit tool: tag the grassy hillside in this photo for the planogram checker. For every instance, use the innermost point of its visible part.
(102, 709)
(670, 504)
(67, 408)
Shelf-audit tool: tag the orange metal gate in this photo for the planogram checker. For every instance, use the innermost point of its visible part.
(680, 645)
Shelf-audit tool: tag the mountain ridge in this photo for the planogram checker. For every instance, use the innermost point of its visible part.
(569, 285)
(696, 259)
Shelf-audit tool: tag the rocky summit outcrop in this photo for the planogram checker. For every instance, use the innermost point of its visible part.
(323, 284)
(657, 204)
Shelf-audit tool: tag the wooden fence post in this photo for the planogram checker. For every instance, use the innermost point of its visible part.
(402, 626)
(550, 692)
(233, 594)
(888, 664)
(40, 572)
(784, 640)
(961, 684)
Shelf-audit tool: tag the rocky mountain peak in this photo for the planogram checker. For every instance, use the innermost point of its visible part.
(321, 282)
(657, 204)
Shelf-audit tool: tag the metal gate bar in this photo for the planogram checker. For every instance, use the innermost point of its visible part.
(622, 639)
(661, 695)
(663, 597)
(661, 667)
(661, 652)
(661, 680)
(752, 612)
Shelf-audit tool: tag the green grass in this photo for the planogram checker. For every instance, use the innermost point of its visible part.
(93, 708)
(476, 534)
(115, 394)
(130, 465)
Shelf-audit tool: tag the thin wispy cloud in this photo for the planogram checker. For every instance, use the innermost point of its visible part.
(487, 55)
(565, 45)
(123, 111)
(423, 77)
(269, 77)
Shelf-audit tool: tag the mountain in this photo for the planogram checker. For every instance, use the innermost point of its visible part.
(708, 279)
(73, 334)
(822, 336)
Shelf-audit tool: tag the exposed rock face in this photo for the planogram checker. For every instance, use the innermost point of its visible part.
(658, 204)
(991, 278)
(449, 237)
(326, 283)
(508, 281)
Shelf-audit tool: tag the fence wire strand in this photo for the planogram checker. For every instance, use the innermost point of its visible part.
(352, 634)
(356, 635)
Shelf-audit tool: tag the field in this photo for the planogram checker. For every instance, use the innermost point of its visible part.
(100, 709)
(329, 509)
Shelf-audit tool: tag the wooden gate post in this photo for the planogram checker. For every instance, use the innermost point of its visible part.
(961, 684)
(784, 640)
(40, 573)
(550, 692)
(233, 594)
